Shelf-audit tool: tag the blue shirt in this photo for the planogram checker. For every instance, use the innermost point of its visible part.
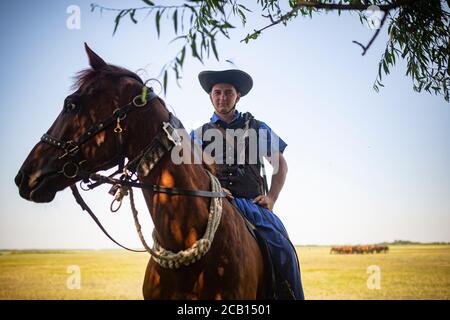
(237, 115)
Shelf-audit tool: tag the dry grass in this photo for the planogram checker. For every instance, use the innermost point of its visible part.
(407, 272)
(108, 274)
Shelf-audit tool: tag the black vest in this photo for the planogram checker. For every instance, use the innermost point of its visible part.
(242, 179)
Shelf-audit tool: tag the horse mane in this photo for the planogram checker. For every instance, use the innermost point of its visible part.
(89, 77)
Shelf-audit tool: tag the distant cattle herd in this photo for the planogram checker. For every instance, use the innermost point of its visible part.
(359, 249)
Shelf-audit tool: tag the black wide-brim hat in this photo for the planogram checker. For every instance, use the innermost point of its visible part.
(238, 78)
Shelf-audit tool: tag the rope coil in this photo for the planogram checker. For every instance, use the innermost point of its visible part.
(168, 259)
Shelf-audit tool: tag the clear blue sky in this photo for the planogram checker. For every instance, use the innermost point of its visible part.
(363, 167)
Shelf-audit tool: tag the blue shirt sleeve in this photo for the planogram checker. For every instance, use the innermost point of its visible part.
(196, 138)
(274, 142)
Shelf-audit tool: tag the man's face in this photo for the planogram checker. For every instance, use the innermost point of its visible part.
(224, 97)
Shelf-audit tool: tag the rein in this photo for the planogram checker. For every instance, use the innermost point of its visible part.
(162, 143)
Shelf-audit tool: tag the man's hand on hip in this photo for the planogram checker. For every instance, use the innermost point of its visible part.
(265, 201)
(228, 192)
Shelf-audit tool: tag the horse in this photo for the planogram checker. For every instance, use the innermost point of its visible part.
(77, 141)
(335, 250)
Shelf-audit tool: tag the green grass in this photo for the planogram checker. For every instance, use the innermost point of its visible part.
(407, 272)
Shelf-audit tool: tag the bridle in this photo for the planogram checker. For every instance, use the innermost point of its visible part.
(73, 168)
(163, 142)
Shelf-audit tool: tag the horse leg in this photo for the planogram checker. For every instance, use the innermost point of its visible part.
(151, 287)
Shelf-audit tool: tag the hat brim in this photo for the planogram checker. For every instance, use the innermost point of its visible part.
(238, 78)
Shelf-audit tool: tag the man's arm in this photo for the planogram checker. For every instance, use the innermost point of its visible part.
(278, 180)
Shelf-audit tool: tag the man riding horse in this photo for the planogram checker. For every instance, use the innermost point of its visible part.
(238, 170)
(113, 119)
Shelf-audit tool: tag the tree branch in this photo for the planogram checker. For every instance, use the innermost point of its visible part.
(100, 7)
(365, 48)
(336, 6)
(354, 7)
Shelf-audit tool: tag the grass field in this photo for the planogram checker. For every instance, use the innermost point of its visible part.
(406, 272)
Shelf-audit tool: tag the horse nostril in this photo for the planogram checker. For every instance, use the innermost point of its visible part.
(18, 179)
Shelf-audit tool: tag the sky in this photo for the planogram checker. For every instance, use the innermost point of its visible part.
(364, 167)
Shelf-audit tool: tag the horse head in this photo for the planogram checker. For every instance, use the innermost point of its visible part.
(88, 132)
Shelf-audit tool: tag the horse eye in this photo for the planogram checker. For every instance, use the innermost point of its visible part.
(70, 106)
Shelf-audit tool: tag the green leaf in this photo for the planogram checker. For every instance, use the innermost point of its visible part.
(165, 81)
(117, 20)
(157, 20)
(244, 7)
(385, 68)
(227, 25)
(243, 17)
(148, 2)
(177, 74)
(175, 21)
(213, 45)
(183, 55)
(252, 36)
(178, 38)
(220, 7)
(379, 71)
(194, 47)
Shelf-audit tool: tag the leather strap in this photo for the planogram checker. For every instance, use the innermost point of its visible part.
(158, 188)
(85, 207)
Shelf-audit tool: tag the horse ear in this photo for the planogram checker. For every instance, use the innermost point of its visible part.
(94, 60)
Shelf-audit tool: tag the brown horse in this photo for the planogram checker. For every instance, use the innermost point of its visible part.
(232, 268)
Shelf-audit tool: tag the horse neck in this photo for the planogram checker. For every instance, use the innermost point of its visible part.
(179, 220)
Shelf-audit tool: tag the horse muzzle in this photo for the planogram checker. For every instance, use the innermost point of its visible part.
(37, 190)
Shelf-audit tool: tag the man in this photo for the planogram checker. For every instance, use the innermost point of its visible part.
(238, 170)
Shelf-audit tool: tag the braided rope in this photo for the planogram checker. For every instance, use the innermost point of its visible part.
(168, 259)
